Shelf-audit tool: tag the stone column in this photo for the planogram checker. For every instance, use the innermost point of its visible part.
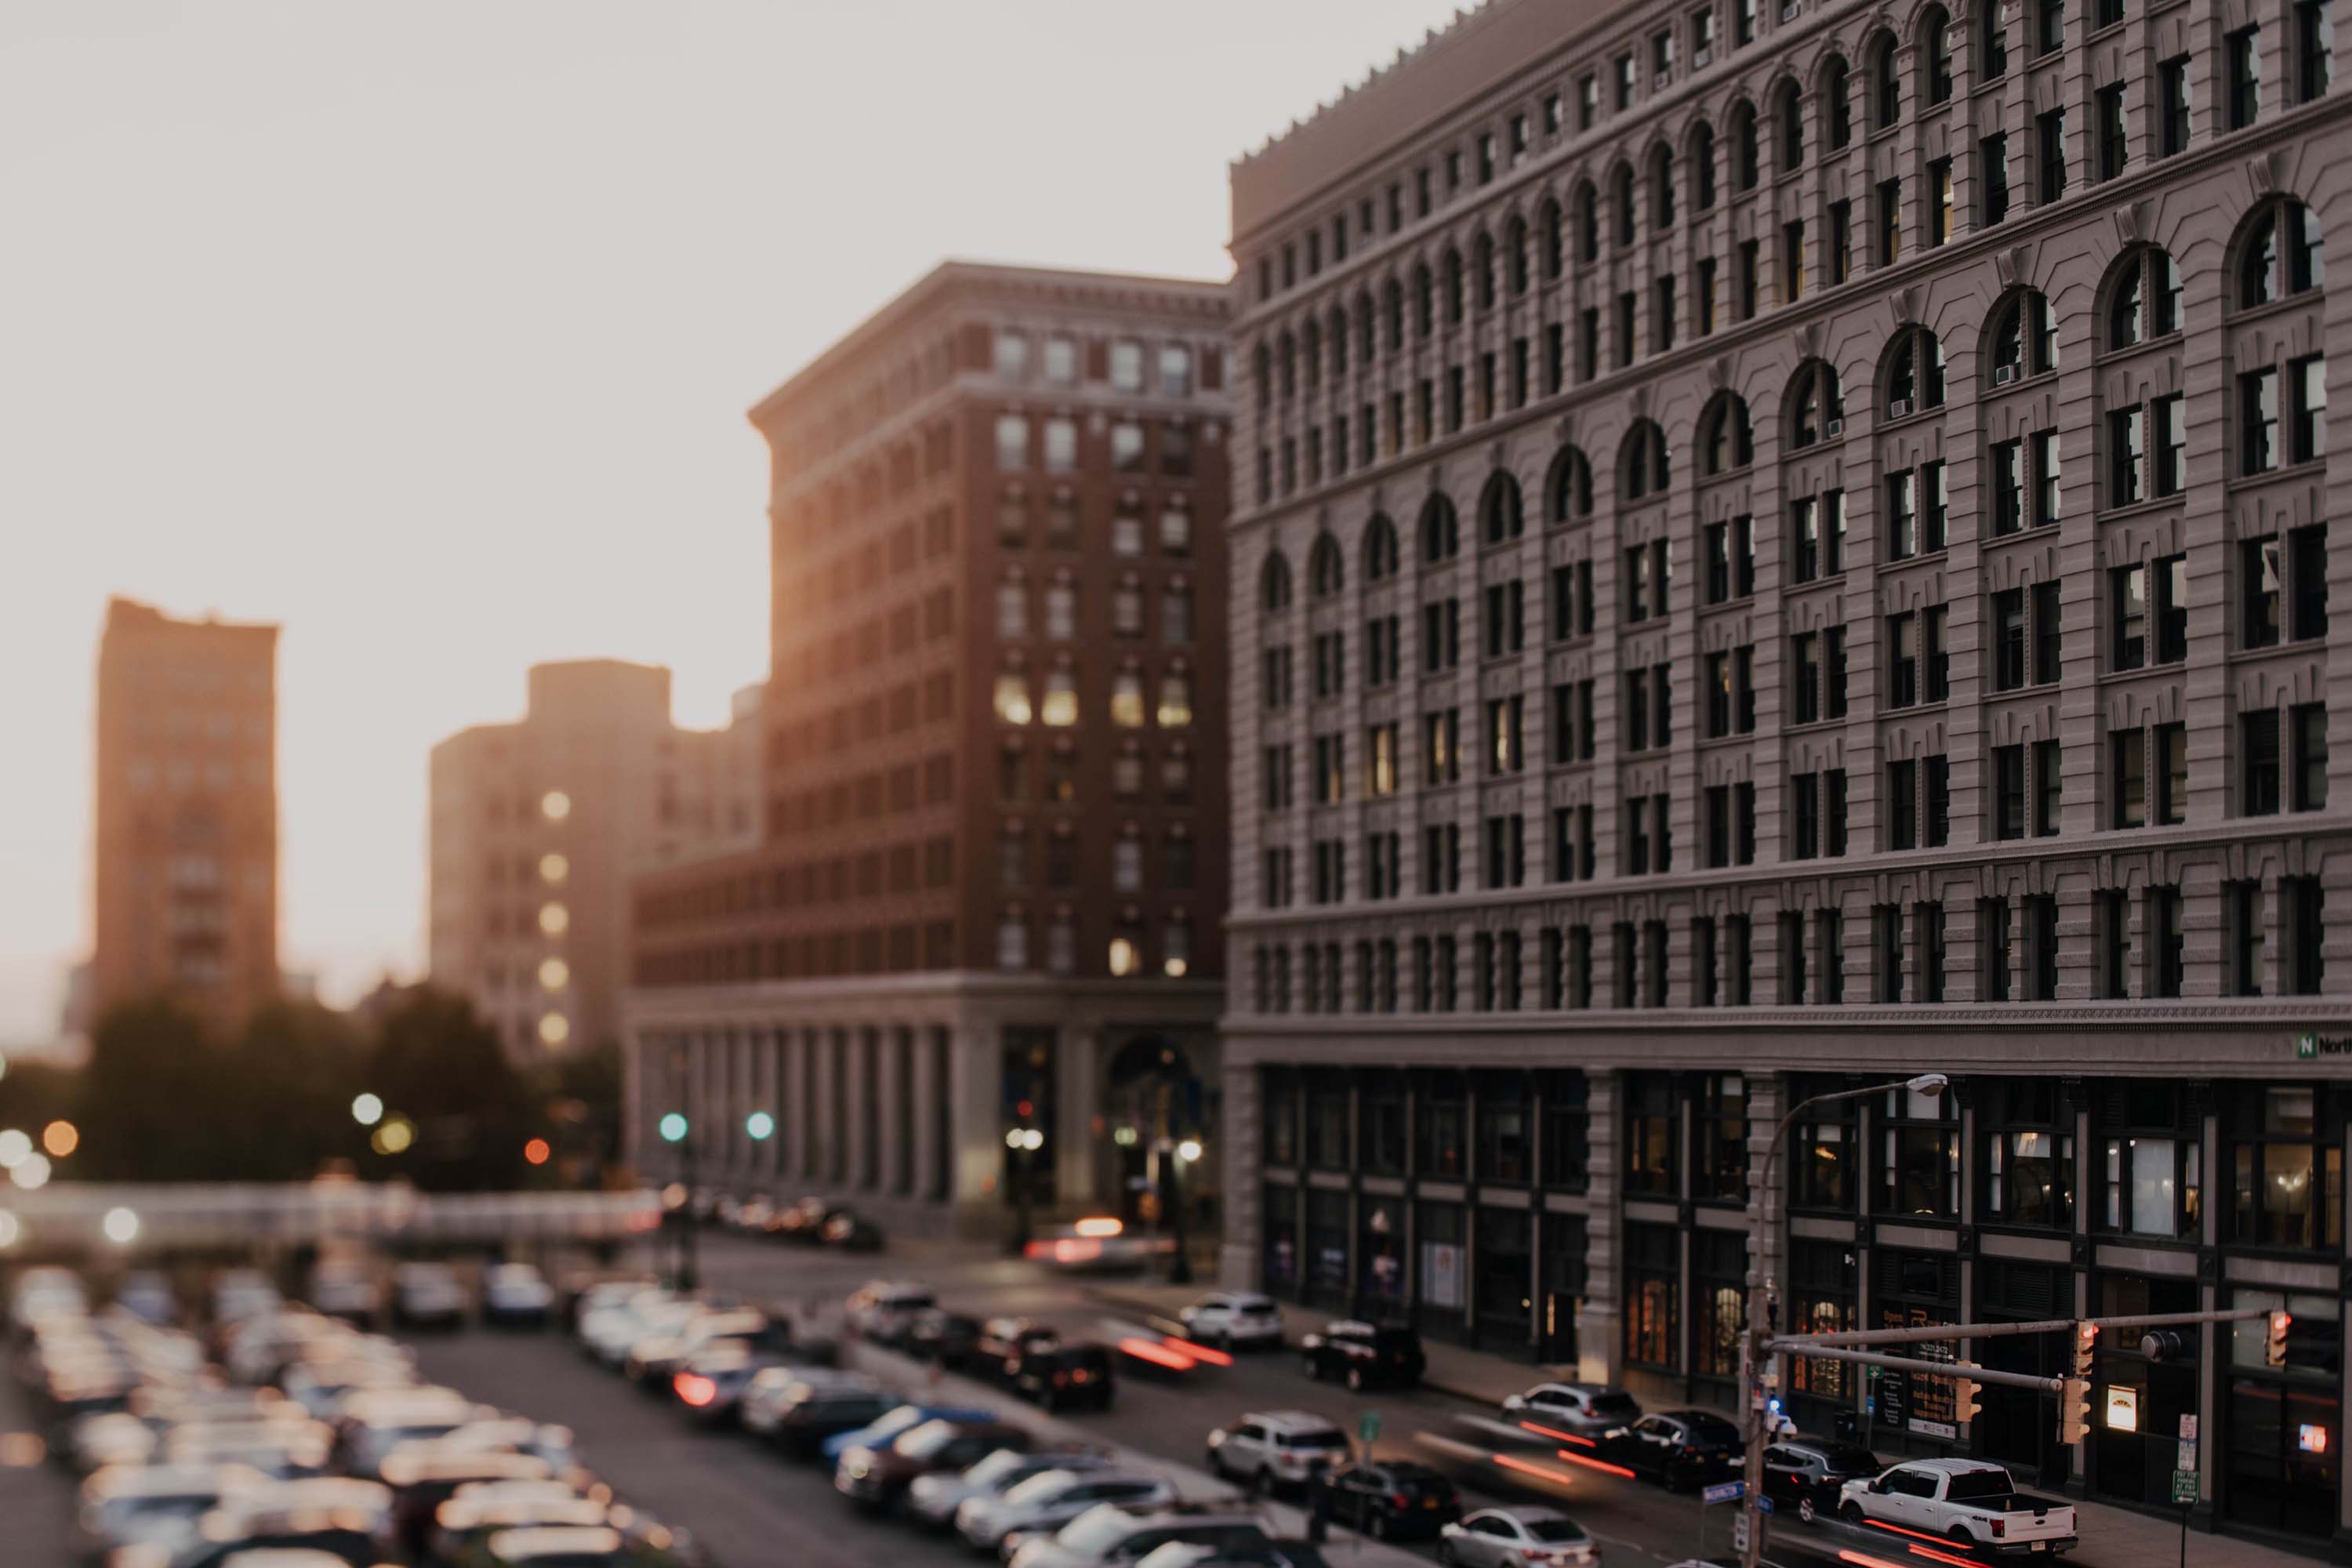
(1241, 1136)
(1077, 1092)
(978, 1156)
(1600, 1337)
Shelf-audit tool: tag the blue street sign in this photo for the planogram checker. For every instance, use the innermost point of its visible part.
(1763, 1504)
(1725, 1491)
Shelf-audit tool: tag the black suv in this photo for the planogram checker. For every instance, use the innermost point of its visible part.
(1360, 1355)
(1062, 1376)
(1806, 1474)
(1682, 1449)
(1388, 1501)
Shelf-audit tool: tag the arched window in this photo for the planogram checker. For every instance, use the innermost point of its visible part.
(1914, 373)
(1311, 347)
(1789, 118)
(1453, 286)
(1382, 557)
(1621, 188)
(1367, 340)
(1548, 227)
(1482, 270)
(1816, 409)
(2281, 253)
(1747, 160)
(1646, 462)
(1440, 531)
(1886, 84)
(1515, 255)
(1327, 574)
(2024, 336)
(1662, 187)
(1286, 359)
(1702, 166)
(1568, 490)
(1588, 223)
(1992, 42)
(1274, 584)
(1263, 367)
(1338, 335)
(1394, 297)
(1424, 301)
(1725, 440)
(1935, 57)
(2142, 297)
(1500, 520)
(1837, 100)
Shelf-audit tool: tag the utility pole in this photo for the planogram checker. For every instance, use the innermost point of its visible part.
(1755, 1357)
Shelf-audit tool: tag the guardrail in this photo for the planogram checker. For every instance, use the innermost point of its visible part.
(67, 1215)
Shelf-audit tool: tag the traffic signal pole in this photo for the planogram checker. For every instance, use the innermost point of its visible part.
(1796, 1344)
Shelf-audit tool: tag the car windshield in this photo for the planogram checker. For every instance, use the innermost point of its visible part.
(1614, 1405)
(1332, 1438)
(1970, 1486)
(1044, 1484)
(1094, 1532)
(929, 1439)
(991, 1471)
(1252, 1304)
(1851, 1459)
(1711, 1431)
(898, 1421)
(1550, 1529)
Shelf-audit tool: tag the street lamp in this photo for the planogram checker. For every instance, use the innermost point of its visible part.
(1752, 1358)
(676, 1128)
(367, 1109)
(1180, 1267)
(1024, 1142)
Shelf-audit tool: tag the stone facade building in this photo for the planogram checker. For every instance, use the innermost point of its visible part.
(1775, 551)
(989, 896)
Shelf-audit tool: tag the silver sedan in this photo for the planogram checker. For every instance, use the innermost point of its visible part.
(1517, 1538)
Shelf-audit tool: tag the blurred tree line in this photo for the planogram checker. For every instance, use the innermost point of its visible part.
(163, 1099)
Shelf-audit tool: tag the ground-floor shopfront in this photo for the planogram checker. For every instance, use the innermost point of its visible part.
(1583, 1202)
(900, 1098)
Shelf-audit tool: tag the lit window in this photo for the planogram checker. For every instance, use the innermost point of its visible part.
(1127, 865)
(553, 869)
(1061, 360)
(1061, 699)
(555, 805)
(554, 1029)
(1012, 442)
(554, 919)
(1175, 701)
(1126, 446)
(1127, 701)
(1175, 370)
(1126, 958)
(1176, 943)
(1127, 364)
(554, 975)
(1012, 355)
(1061, 445)
(1013, 697)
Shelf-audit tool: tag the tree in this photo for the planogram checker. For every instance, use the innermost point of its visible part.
(440, 1067)
(156, 1103)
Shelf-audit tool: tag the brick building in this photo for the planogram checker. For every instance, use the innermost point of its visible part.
(186, 870)
(989, 893)
(1774, 551)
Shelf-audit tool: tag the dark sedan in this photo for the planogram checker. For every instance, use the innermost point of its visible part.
(1391, 1501)
(1680, 1450)
(1806, 1474)
(945, 1337)
(1060, 1376)
(1361, 1355)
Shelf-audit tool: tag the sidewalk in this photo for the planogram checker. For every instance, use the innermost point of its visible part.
(2111, 1536)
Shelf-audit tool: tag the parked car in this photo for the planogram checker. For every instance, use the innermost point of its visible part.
(1363, 1355)
(1045, 1503)
(1807, 1475)
(1582, 1409)
(941, 1336)
(1271, 1553)
(1971, 1502)
(147, 1296)
(934, 1498)
(516, 1293)
(845, 1231)
(348, 1291)
(710, 1383)
(1518, 1537)
(427, 1295)
(799, 1414)
(1005, 1341)
(879, 1477)
(892, 1422)
(883, 1311)
(1390, 1500)
(1112, 1532)
(128, 1505)
(1234, 1319)
(1060, 1376)
(1680, 1450)
(1273, 1448)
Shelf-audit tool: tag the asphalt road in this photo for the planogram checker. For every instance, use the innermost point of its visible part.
(36, 1496)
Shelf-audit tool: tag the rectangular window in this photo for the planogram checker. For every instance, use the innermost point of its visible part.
(1702, 296)
(1903, 804)
(2044, 444)
(2307, 437)
(1935, 508)
(2045, 633)
(1805, 792)
(2127, 755)
(2172, 96)
(2048, 786)
(2307, 733)
(2243, 53)
(2051, 130)
(1993, 947)
(2307, 567)
(2303, 908)
(2050, 26)
(2126, 458)
(1841, 241)
(2128, 592)
(1902, 515)
(2258, 762)
(2314, 37)
(1792, 262)
(1992, 167)
(2172, 802)
(2260, 591)
(1890, 222)
(2009, 639)
(1939, 201)
(2171, 583)
(2109, 110)
(2171, 417)
(1749, 278)
(2009, 792)
(2008, 480)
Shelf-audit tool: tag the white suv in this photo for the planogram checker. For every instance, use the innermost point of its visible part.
(1233, 1320)
(1274, 1449)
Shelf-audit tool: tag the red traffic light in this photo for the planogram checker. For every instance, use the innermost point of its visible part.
(537, 1152)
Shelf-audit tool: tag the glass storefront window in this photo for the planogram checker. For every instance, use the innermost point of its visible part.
(1502, 1151)
(1281, 1117)
(2027, 1154)
(1652, 1122)
(1823, 1151)
(1441, 1265)
(1822, 1301)
(1566, 1130)
(1327, 1246)
(1379, 1259)
(1382, 1144)
(1652, 1292)
(1721, 1137)
(2149, 1161)
(1438, 1129)
(1918, 1290)
(1919, 1155)
(1281, 1225)
(2285, 1427)
(1720, 1300)
(1326, 1121)
(2288, 1174)
(1564, 1287)
(1506, 1297)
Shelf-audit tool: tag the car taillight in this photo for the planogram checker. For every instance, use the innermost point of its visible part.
(1402, 1500)
(1082, 1375)
(2000, 1527)
(695, 1390)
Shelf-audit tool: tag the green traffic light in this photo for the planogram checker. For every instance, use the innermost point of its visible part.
(760, 1125)
(672, 1126)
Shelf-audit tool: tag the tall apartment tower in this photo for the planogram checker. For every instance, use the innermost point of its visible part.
(538, 825)
(187, 879)
(1777, 548)
(989, 900)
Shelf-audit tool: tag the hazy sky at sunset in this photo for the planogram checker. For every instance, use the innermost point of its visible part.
(426, 327)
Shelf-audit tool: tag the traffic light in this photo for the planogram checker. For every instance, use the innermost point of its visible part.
(2169, 1345)
(1967, 1399)
(2086, 1345)
(2074, 1410)
(2275, 1345)
(2313, 1345)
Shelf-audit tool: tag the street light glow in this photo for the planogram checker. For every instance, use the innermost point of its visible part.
(394, 1136)
(9, 1230)
(1189, 1150)
(31, 1173)
(122, 1227)
(367, 1109)
(60, 1139)
(536, 1151)
(1032, 1140)
(14, 1144)
(760, 1126)
(672, 1126)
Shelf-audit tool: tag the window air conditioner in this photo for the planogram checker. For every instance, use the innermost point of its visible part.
(1898, 408)
(1833, 428)
(1702, 57)
(2002, 374)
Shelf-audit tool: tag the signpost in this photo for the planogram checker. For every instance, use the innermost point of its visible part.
(1368, 1431)
(2184, 1480)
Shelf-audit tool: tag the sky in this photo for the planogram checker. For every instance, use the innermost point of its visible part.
(426, 328)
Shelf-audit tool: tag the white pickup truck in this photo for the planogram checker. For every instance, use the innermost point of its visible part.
(1970, 1502)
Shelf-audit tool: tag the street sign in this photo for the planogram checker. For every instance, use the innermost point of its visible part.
(2188, 1428)
(1724, 1491)
(1739, 1533)
(2184, 1486)
(1368, 1426)
(1763, 1504)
